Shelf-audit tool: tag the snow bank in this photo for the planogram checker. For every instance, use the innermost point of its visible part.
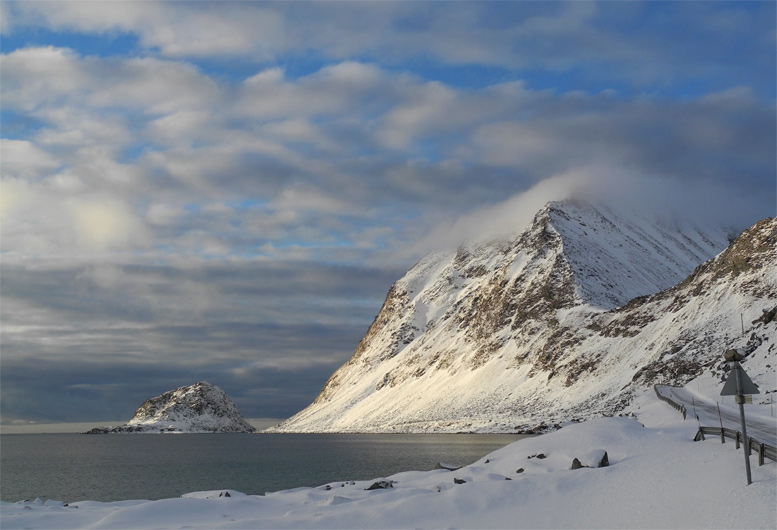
(657, 478)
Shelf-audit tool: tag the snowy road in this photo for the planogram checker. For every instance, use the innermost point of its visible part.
(762, 428)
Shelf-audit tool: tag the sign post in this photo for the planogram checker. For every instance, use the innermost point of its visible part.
(737, 385)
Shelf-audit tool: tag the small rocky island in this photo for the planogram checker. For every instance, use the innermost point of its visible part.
(198, 408)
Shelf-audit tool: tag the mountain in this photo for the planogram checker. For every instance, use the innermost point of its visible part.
(571, 319)
(201, 407)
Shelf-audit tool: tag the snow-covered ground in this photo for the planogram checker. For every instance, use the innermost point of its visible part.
(657, 478)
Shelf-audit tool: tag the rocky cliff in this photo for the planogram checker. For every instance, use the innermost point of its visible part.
(569, 320)
(198, 408)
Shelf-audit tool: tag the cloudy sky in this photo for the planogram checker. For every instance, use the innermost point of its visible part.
(227, 190)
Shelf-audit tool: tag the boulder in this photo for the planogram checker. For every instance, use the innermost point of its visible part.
(381, 485)
(596, 458)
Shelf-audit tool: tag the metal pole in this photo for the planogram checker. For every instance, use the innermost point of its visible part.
(720, 418)
(741, 401)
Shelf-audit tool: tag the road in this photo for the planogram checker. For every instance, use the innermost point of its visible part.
(762, 428)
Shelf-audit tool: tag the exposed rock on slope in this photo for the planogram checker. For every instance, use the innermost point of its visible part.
(538, 330)
(201, 407)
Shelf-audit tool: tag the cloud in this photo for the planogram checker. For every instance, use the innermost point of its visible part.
(624, 190)
(425, 109)
(100, 223)
(199, 29)
(625, 42)
(33, 76)
(322, 161)
(43, 79)
(505, 219)
(272, 331)
(25, 160)
(333, 89)
(39, 220)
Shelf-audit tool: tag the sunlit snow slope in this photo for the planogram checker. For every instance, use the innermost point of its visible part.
(570, 320)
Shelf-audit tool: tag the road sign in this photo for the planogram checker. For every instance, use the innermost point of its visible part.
(738, 384)
(730, 388)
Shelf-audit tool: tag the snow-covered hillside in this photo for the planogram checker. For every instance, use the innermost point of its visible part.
(568, 321)
(201, 407)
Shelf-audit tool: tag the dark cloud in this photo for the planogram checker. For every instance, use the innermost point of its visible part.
(76, 390)
(271, 333)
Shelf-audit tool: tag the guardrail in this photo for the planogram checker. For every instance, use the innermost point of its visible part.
(762, 449)
(665, 399)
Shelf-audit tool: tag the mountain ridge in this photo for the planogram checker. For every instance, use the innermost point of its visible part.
(506, 334)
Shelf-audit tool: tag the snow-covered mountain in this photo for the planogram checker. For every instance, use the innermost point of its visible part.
(569, 320)
(201, 407)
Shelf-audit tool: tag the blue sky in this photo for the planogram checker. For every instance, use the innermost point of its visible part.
(226, 190)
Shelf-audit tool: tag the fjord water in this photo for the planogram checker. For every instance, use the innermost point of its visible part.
(73, 467)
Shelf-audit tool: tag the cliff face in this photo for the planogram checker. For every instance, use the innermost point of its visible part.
(569, 320)
(202, 407)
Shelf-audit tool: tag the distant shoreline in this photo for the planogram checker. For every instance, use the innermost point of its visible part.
(80, 427)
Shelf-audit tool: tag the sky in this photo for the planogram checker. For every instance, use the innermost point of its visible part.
(225, 191)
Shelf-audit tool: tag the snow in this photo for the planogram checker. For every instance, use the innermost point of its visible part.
(474, 341)
(617, 258)
(657, 478)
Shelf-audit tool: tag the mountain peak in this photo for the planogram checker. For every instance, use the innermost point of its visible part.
(615, 259)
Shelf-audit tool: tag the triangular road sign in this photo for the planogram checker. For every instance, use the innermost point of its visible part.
(730, 388)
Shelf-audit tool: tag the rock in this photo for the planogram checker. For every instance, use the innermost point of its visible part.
(459, 481)
(519, 470)
(100, 430)
(597, 458)
(381, 485)
(449, 467)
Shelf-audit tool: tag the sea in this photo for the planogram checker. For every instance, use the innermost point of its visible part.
(76, 467)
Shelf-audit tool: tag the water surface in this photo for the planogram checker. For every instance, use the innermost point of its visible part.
(73, 467)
